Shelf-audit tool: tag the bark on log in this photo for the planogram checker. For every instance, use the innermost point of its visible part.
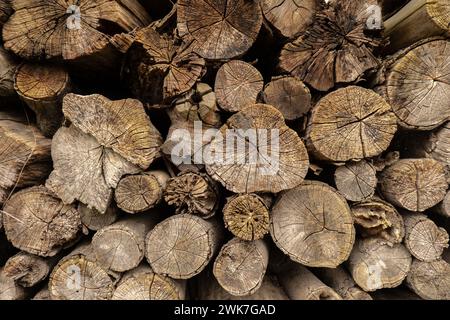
(376, 264)
(424, 239)
(241, 265)
(193, 193)
(182, 245)
(430, 280)
(335, 49)
(352, 123)
(280, 163)
(313, 224)
(37, 222)
(219, 30)
(8, 66)
(24, 155)
(120, 247)
(414, 184)
(378, 218)
(94, 220)
(247, 217)
(356, 180)
(140, 193)
(143, 284)
(10, 290)
(417, 20)
(238, 84)
(42, 87)
(289, 95)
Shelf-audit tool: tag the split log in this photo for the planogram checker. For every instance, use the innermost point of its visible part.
(238, 84)
(301, 284)
(37, 222)
(339, 280)
(43, 30)
(219, 30)
(352, 123)
(375, 264)
(443, 207)
(417, 20)
(120, 247)
(241, 265)
(289, 95)
(24, 155)
(414, 184)
(79, 277)
(43, 294)
(290, 17)
(335, 49)
(8, 66)
(378, 218)
(424, 239)
(107, 139)
(258, 163)
(10, 290)
(247, 217)
(193, 193)
(182, 245)
(140, 193)
(157, 69)
(143, 284)
(42, 87)
(313, 224)
(356, 180)
(94, 220)
(430, 280)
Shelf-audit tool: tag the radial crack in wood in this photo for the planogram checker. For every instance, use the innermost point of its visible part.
(430, 280)
(356, 181)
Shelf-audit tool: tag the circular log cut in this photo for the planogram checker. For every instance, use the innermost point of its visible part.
(94, 220)
(356, 180)
(28, 270)
(430, 280)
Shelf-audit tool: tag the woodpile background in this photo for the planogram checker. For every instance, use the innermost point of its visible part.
(94, 205)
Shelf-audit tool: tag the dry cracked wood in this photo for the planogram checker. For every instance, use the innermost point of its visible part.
(41, 29)
(443, 207)
(352, 123)
(430, 280)
(335, 49)
(356, 180)
(37, 222)
(376, 264)
(10, 290)
(414, 184)
(220, 30)
(94, 220)
(8, 66)
(182, 245)
(313, 224)
(436, 145)
(268, 156)
(241, 265)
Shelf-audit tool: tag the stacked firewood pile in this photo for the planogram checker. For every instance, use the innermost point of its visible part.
(114, 125)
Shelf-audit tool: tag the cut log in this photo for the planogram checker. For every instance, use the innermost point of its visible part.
(417, 20)
(182, 245)
(220, 30)
(37, 222)
(423, 238)
(378, 218)
(8, 66)
(60, 29)
(352, 123)
(140, 193)
(27, 270)
(339, 280)
(335, 49)
(375, 264)
(193, 193)
(94, 220)
(79, 277)
(418, 85)
(356, 180)
(313, 224)
(143, 284)
(10, 290)
(238, 84)
(301, 284)
(261, 161)
(42, 87)
(289, 95)
(120, 247)
(443, 207)
(430, 280)
(290, 17)
(157, 69)
(247, 217)
(24, 155)
(241, 265)
(414, 184)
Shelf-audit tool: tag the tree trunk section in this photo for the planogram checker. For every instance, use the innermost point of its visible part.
(430, 280)
(10, 290)
(94, 220)
(356, 180)
(443, 207)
